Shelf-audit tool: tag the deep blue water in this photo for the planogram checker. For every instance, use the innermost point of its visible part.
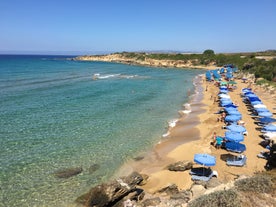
(55, 116)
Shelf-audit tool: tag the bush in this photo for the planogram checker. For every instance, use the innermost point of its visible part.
(226, 198)
(260, 183)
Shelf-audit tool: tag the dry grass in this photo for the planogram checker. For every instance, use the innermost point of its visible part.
(256, 191)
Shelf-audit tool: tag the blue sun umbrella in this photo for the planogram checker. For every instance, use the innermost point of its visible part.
(232, 118)
(251, 95)
(235, 147)
(251, 99)
(225, 103)
(223, 91)
(270, 128)
(233, 112)
(267, 120)
(259, 110)
(255, 103)
(223, 99)
(230, 106)
(236, 128)
(265, 114)
(205, 159)
(234, 136)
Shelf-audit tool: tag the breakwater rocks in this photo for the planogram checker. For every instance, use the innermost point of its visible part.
(144, 61)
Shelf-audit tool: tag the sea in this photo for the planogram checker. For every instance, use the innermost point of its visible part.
(56, 114)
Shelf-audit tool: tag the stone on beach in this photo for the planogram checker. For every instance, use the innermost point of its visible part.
(180, 166)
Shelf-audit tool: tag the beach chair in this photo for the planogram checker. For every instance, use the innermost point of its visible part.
(205, 178)
(200, 171)
(239, 161)
(263, 155)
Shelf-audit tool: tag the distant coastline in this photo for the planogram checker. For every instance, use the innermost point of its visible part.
(144, 60)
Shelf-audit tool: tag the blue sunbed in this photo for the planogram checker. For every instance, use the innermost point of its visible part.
(201, 171)
(205, 178)
(238, 161)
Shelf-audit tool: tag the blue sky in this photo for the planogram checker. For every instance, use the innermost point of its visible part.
(88, 26)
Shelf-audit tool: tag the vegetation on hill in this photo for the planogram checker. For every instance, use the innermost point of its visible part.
(262, 64)
(261, 185)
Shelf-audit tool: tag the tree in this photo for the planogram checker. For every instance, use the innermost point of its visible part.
(208, 52)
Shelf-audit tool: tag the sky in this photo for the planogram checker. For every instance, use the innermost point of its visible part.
(95, 26)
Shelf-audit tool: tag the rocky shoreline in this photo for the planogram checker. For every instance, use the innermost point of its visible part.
(145, 61)
(127, 192)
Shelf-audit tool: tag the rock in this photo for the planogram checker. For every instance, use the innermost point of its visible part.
(137, 195)
(180, 166)
(145, 179)
(93, 168)
(170, 190)
(109, 194)
(138, 158)
(200, 182)
(151, 202)
(214, 182)
(184, 196)
(197, 190)
(133, 179)
(67, 173)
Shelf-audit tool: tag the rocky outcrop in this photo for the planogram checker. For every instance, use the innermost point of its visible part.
(180, 166)
(117, 191)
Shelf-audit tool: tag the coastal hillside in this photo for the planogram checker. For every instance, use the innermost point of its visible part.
(261, 64)
(147, 60)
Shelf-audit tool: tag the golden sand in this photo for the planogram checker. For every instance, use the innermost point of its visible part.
(206, 123)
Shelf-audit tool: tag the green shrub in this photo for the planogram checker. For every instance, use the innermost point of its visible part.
(226, 198)
(260, 183)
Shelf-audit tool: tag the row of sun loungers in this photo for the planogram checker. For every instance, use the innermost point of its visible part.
(235, 132)
(264, 119)
(233, 136)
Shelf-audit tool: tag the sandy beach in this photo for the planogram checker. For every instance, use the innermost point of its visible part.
(197, 130)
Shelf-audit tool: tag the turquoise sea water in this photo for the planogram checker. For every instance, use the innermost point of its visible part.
(55, 116)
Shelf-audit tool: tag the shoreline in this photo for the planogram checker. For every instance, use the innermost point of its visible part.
(158, 157)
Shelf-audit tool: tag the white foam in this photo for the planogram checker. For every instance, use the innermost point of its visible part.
(118, 75)
(108, 76)
(187, 109)
(166, 135)
(172, 123)
(185, 112)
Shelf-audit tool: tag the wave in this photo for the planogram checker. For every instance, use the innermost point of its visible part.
(171, 124)
(97, 76)
(187, 109)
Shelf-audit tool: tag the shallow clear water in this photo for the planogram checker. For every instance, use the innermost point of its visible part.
(55, 116)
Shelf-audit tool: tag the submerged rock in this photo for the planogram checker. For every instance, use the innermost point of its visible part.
(93, 168)
(67, 173)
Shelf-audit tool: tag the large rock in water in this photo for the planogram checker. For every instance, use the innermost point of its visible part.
(108, 194)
